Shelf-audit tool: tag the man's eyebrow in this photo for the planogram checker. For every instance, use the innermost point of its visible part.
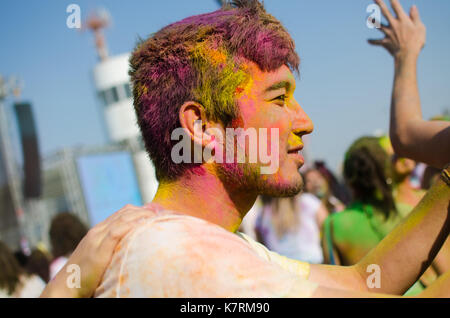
(283, 84)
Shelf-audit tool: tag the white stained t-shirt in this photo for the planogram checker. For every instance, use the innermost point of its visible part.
(173, 255)
(301, 243)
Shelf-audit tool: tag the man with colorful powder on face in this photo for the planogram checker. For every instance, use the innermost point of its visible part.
(233, 68)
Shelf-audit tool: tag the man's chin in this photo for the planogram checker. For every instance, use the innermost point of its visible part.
(248, 178)
(280, 189)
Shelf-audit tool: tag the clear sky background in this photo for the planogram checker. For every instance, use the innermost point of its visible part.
(345, 84)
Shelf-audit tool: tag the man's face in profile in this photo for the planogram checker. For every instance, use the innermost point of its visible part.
(266, 103)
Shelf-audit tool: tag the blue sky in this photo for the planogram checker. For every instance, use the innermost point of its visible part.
(345, 84)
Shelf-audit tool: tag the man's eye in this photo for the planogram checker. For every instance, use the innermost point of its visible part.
(281, 98)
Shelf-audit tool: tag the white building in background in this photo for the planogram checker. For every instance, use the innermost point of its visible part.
(113, 87)
(112, 84)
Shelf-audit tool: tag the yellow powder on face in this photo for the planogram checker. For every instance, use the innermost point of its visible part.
(246, 90)
(295, 141)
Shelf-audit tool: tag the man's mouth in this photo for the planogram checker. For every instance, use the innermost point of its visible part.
(296, 154)
(295, 150)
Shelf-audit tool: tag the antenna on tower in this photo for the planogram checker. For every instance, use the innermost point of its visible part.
(10, 86)
(96, 21)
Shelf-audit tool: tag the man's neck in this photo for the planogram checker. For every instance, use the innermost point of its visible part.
(205, 196)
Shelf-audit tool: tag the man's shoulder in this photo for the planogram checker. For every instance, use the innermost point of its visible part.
(169, 227)
(170, 236)
(164, 245)
(161, 222)
(179, 255)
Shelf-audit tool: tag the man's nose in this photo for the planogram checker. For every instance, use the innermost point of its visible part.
(301, 123)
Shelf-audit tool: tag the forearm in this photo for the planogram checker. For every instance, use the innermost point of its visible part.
(439, 289)
(441, 263)
(406, 252)
(344, 282)
(411, 135)
(57, 288)
(338, 277)
(405, 104)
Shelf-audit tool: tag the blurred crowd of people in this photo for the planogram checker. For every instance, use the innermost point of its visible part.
(25, 276)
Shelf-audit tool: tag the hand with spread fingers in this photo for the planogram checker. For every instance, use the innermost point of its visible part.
(405, 34)
(94, 253)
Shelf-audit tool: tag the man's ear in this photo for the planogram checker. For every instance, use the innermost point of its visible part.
(193, 120)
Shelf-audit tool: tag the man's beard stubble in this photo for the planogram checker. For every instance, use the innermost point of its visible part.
(247, 177)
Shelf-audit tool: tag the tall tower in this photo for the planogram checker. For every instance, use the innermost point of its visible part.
(112, 84)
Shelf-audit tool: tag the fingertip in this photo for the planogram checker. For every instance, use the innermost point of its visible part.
(414, 12)
(375, 42)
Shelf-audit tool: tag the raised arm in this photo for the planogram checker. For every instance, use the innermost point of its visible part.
(411, 135)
